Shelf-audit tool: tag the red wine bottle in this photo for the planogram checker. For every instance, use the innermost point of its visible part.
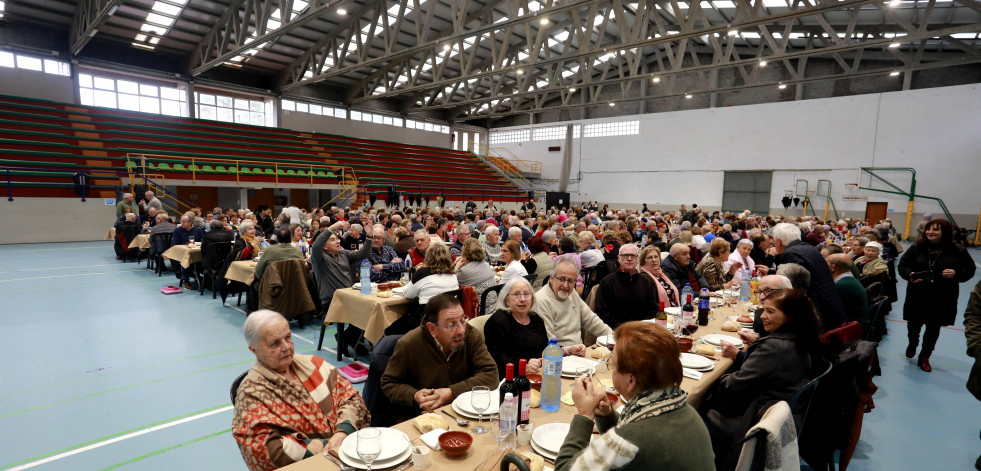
(509, 385)
(524, 398)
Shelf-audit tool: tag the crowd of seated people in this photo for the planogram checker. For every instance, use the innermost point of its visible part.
(813, 277)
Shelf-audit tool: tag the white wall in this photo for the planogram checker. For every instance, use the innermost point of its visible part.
(680, 157)
(75, 221)
(33, 84)
(360, 129)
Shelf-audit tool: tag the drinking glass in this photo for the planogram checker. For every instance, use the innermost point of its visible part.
(369, 445)
(503, 436)
(190, 240)
(480, 401)
(584, 372)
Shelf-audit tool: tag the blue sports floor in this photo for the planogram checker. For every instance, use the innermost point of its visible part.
(101, 371)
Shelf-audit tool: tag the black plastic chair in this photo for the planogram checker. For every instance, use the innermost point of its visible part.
(374, 398)
(483, 297)
(800, 402)
(159, 243)
(545, 281)
(213, 257)
(588, 280)
(531, 278)
(233, 391)
(877, 322)
(759, 451)
(873, 290)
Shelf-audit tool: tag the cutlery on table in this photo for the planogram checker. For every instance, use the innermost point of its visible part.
(338, 462)
(460, 422)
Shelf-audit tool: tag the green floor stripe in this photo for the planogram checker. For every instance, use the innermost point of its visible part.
(164, 450)
(107, 437)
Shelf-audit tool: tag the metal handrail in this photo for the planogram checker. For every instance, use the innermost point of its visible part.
(343, 171)
(7, 170)
(532, 166)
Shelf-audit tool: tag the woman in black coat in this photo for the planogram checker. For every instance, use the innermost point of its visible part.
(934, 267)
(773, 369)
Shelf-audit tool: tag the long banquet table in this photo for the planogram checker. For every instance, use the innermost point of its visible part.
(367, 312)
(484, 445)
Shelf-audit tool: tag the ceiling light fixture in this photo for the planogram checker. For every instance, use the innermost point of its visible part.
(733, 32)
(762, 63)
(613, 104)
(572, 90)
(656, 79)
(894, 73)
(543, 21)
(446, 47)
(894, 45)
(782, 86)
(112, 11)
(341, 11)
(520, 72)
(894, 3)
(688, 96)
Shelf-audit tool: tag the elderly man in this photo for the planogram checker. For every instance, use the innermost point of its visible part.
(385, 263)
(678, 267)
(417, 255)
(816, 236)
(411, 380)
(514, 233)
(853, 294)
(151, 202)
(626, 295)
(163, 224)
(280, 251)
(462, 236)
(288, 406)
(127, 202)
(492, 244)
(565, 314)
(332, 264)
(150, 218)
(264, 215)
(790, 249)
(182, 235)
(128, 228)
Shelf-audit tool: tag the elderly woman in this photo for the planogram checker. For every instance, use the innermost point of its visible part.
(435, 276)
(539, 263)
(650, 258)
(741, 258)
(773, 368)
(296, 233)
(589, 254)
(657, 428)
(515, 331)
(492, 244)
(511, 256)
(714, 267)
(871, 262)
(289, 407)
(856, 247)
(472, 269)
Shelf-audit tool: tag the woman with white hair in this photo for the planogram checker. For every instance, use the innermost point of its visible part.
(741, 259)
(289, 407)
(515, 331)
(871, 263)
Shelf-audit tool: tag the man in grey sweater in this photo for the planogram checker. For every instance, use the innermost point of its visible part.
(332, 265)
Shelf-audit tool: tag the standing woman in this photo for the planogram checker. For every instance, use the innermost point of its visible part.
(933, 267)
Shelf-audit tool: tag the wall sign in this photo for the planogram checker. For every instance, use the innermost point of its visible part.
(110, 201)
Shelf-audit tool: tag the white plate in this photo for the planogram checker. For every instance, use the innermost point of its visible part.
(356, 462)
(669, 325)
(695, 362)
(550, 436)
(374, 286)
(462, 404)
(399, 290)
(468, 415)
(541, 451)
(570, 363)
(674, 311)
(392, 441)
(605, 341)
(716, 339)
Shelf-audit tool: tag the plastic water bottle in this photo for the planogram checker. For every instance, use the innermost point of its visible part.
(643, 240)
(509, 419)
(365, 277)
(551, 376)
(744, 286)
(686, 292)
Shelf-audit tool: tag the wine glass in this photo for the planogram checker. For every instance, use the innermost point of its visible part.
(369, 445)
(480, 401)
(190, 240)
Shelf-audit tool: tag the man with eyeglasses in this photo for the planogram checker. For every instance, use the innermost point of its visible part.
(385, 263)
(565, 314)
(437, 361)
(626, 295)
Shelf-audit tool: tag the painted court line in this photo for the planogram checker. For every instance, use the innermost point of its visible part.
(67, 276)
(120, 438)
(65, 268)
(904, 322)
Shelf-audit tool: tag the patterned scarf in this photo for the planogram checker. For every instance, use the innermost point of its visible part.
(652, 403)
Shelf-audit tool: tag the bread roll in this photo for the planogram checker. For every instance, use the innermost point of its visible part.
(384, 294)
(730, 326)
(536, 398)
(600, 353)
(428, 422)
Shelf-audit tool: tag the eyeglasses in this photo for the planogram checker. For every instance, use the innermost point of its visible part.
(766, 292)
(628, 256)
(565, 281)
(377, 237)
(520, 295)
(452, 325)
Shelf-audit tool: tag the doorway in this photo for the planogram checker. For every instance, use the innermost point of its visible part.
(875, 212)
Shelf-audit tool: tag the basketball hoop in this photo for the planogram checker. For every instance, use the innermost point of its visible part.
(852, 193)
(851, 187)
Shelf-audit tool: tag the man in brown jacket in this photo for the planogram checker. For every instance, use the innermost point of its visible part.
(437, 361)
